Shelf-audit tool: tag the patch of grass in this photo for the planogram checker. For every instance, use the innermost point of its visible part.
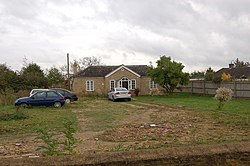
(104, 114)
(198, 102)
(48, 117)
(235, 112)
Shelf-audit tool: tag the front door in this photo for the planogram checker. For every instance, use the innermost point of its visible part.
(125, 84)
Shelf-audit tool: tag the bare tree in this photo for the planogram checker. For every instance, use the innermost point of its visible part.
(238, 63)
(85, 62)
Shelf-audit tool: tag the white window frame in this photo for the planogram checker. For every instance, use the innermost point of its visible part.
(152, 84)
(110, 84)
(90, 85)
(131, 82)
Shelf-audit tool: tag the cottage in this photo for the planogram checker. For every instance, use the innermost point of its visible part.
(235, 72)
(101, 79)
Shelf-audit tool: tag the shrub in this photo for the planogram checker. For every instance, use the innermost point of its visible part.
(53, 146)
(7, 97)
(223, 95)
(226, 77)
(17, 115)
(154, 91)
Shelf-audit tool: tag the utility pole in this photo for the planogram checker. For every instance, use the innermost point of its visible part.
(68, 71)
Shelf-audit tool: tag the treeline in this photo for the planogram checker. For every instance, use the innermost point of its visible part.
(15, 84)
(31, 76)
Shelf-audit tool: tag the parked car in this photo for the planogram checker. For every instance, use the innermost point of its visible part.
(119, 93)
(68, 95)
(36, 90)
(42, 98)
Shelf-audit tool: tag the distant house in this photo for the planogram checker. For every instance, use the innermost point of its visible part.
(235, 72)
(101, 79)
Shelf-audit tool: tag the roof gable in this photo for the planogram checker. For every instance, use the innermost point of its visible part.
(106, 71)
(121, 67)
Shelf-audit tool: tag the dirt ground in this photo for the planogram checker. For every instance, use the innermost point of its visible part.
(151, 127)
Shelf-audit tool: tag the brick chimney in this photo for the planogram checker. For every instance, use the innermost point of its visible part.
(231, 65)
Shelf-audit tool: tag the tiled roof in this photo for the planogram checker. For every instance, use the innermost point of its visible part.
(239, 72)
(236, 72)
(102, 71)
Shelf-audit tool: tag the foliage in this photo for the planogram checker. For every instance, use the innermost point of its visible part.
(85, 62)
(223, 95)
(238, 63)
(50, 147)
(17, 115)
(168, 74)
(209, 75)
(52, 144)
(55, 78)
(70, 141)
(154, 91)
(225, 77)
(197, 75)
(8, 79)
(48, 118)
(7, 97)
(33, 77)
(217, 79)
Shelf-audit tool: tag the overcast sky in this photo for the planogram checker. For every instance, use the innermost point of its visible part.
(197, 33)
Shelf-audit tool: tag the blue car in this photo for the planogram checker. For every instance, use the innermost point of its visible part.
(42, 98)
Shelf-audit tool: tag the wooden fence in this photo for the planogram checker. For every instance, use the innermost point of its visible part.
(241, 89)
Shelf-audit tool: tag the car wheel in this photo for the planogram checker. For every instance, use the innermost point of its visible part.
(67, 101)
(24, 105)
(57, 104)
(129, 99)
(113, 98)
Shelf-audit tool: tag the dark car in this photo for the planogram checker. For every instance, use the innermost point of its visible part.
(42, 98)
(68, 95)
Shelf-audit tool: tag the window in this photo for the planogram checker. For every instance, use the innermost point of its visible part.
(152, 84)
(89, 85)
(112, 84)
(52, 94)
(39, 95)
(133, 84)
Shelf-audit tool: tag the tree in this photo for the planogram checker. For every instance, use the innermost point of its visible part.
(168, 74)
(85, 62)
(225, 77)
(197, 75)
(238, 63)
(209, 75)
(54, 77)
(8, 79)
(33, 77)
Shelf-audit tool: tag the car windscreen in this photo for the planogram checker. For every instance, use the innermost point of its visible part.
(121, 89)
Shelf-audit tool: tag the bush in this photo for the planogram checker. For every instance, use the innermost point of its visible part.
(53, 146)
(7, 97)
(223, 95)
(17, 115)
(153, 92)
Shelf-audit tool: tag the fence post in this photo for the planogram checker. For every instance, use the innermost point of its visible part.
(192, 87)
(204, 87)
(235, 89)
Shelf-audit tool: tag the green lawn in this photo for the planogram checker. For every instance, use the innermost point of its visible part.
(193, 101)
(102, 114)
(38, 117)
(235, 112)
